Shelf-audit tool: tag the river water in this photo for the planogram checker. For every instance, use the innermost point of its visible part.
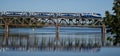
(103, 52)
(65, 33)
(72, 31)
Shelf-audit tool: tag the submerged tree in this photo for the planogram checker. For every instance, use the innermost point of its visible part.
(112, 21)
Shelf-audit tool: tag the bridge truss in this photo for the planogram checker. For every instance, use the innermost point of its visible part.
(63, 21)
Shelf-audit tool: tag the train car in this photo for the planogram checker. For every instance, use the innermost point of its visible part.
(12, 13)
(91, 15)
(40, 14)
(69, 15)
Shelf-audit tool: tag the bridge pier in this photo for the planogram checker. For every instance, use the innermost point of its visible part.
(6, 30)
(57, 30)
(103, 34)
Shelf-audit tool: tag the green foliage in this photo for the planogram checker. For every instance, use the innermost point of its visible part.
(112, 21)
(109, 39)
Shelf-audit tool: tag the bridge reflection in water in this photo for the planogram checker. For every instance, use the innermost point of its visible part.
(46, 41)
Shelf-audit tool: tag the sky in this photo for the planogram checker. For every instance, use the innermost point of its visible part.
(77, 6)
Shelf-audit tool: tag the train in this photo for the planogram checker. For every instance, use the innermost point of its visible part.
(48, 14)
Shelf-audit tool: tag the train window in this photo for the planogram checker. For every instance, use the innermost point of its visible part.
(65, 14)
(47, 14)
(43, 14)
(68, 14)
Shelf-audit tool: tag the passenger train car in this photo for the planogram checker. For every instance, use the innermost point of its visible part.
(91, 15)
(48, 14)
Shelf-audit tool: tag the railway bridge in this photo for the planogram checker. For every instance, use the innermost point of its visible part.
(43, 19)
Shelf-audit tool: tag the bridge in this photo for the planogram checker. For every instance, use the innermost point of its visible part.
(44, 19)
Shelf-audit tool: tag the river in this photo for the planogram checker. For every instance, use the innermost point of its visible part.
(64, 33)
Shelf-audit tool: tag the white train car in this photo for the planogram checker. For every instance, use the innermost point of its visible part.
(91, 15)
(41, 14)
(12, 13)
(69, 15)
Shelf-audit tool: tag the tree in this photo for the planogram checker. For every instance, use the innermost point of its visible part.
(112, 21)
(109, 41)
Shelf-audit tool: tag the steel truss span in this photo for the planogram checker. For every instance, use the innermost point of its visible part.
(50, 19)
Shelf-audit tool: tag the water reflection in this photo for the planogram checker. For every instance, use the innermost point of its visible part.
(35, 43)
(44, 40)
